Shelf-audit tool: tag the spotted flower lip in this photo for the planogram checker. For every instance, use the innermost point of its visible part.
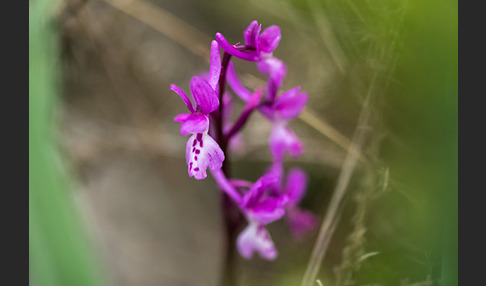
(202, 152)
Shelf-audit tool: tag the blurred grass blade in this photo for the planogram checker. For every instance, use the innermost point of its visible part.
(58, 250)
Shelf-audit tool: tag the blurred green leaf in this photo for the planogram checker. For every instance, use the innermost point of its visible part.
(58, 250)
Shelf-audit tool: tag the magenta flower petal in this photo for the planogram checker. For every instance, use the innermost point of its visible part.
(194, 123)
(202, 152)
(255, 193)
(204, 75)
(256, 238)
(269, 39)
(296, 185)
(275, 68)
(268, 210)
(235, 83)
(248, 55)
(251, 34)
(184, 97)
(282, 139)
(290, 103)
(204, 95)
(182, 117)
(215, 65)
(258, 206)
(301, 222)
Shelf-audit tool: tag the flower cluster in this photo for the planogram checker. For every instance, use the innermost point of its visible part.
(272, 196)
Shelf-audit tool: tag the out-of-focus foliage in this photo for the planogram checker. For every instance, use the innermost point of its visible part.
(58, 251)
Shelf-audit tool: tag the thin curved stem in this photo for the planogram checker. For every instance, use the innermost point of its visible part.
(226, 186)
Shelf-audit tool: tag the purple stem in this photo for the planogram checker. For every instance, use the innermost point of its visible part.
(226, 186)
(232, 217)
(240, 183)
(240, 122)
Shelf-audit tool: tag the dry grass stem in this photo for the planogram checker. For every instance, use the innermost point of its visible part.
(335, 206)
(166, 23)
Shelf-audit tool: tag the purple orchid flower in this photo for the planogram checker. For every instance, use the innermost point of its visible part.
(202, 151)
(276, 69)
(300, 221)
(279, 111)
(260, 209)
(257, 46)
(285, 108)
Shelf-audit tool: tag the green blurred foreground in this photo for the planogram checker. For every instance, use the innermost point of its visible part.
(58, 249)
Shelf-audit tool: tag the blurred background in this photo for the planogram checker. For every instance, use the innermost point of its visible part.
(110, 202)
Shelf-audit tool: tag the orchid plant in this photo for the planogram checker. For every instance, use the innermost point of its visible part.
(272, 196)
